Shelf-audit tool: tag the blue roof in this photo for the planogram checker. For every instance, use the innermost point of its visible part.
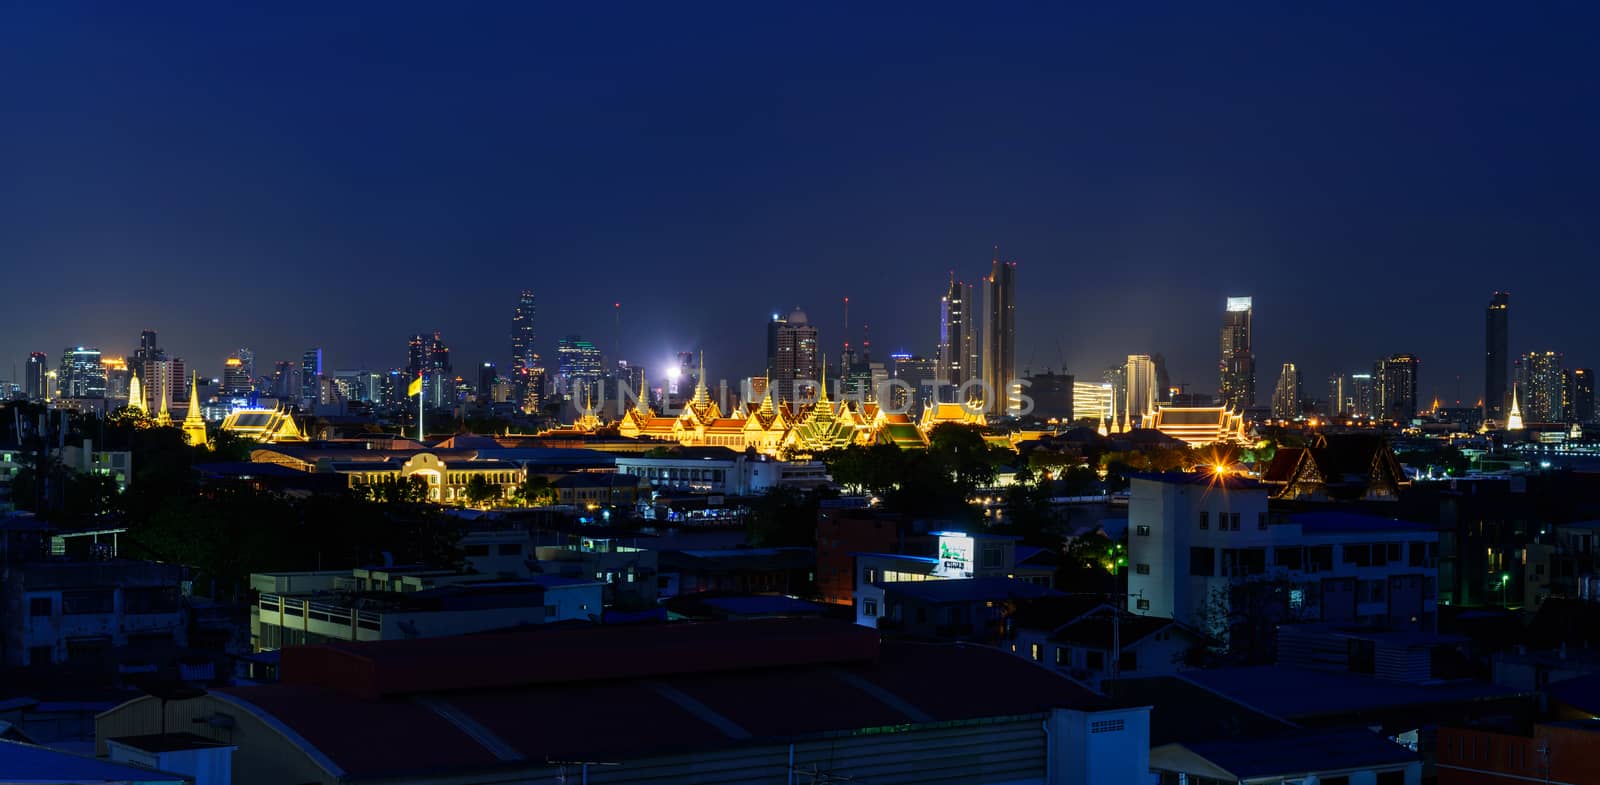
(1302, 752)
(1581, 693)
(1298, 692)
(31, 763)
(1230, 481)
(967, 589)
(1336, 522)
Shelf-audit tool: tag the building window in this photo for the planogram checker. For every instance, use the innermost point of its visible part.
(1036, 651)
(1142, 569)
(1261, 521)
(1061, 655)
(1202, 562)
(1142, 531)
(1128, 662)
(1205, 519)
(1094, 660)
(869, 608)
(1105, 726)
(510, 549)
(1233, 522)
(40, 606)
(1142, 605)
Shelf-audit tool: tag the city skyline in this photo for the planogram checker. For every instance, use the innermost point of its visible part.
(700, 180)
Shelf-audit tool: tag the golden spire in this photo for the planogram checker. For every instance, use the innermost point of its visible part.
(136, 394)
(1514, 420)
(702, 396)
(822, 395)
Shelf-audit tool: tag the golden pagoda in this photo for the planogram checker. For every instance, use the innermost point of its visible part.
(1514, 419)
(136, 394)
(194, 425)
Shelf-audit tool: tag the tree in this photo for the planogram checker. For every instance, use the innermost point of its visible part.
(535, 491)
(784, 515)
(480, 492)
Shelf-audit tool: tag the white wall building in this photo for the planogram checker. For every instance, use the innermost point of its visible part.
(1195, 537)
(718, 470)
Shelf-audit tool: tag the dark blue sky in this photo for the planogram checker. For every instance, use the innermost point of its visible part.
(280, 179)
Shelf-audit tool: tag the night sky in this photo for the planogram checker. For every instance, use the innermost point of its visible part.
(283, 179)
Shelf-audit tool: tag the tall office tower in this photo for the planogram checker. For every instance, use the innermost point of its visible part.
(1539, 387)
(1052, 395)
(163, 379)
(1000, 337)
(38, 372)
(1363, 395)
(794, 348)
(1582, 408)
(247, 364)
(955, 335)
(236, 376)
(148, 348)
(1495, 356)
(524, 355)
(80, 374)
(1339, 400)
(1286, 396)
(1397, 387)
(1163, 379)
(311, 375)
(285, 379)
(1140, 376)
(117, 376)
(417, 354)
(577, 367)
(487, 373)
(439, 356)
(1237, 388)
(1092, 402)
(918, 372)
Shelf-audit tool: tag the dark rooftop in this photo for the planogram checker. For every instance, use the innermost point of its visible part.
(1294, 693)
(1301, 752)
(169, 742)
(1230, 482)
(558, 696)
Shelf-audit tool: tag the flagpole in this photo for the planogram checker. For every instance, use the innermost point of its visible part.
(422, 395)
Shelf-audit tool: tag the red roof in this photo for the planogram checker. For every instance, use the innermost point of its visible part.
(621, 693)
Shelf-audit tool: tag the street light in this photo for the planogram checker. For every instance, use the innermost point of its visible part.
(1505, 578)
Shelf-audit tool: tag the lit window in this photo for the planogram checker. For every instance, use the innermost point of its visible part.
(1036, 651)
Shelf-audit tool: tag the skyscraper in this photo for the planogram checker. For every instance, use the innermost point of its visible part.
(1340, 403)
(1286, 396)
(38, 371)
(311, 376)
(417, 354)
(81, 375)
(1539, 382)
(578, 366)
(917, 372)
(1363, 395)
(1495, 356)
(1000, 337)
(956, 345)
(1397, 387)
(1163, 379)
(794, 353)
(1237, 388)
(1140, 378)
(1582, 409)
(235, 377)
(524, 355)
(149, 349)
(487, 373)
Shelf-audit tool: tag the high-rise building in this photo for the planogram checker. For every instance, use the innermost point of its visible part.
(285, 380)
(919, 373)
(236, 376)
(1495, 357)
(163, 379)
(1237, 388)
(1140, 378)
(117, 376)
(1339, 404)
(38, 371)
(523, 352)
(417, 353)
(577, 367)
(956, 344)
(1000, 337)
(1363, 395)
(311, 376)
(793, 353)
(81, 375)
(149, 349)
(487, 374)
(1163, 379)
(1052, 395)
(1093, 402)
(1539, 384)
(1582, 399)
(1286, 396)
(247, 364)
(1397, 387)
(1116, 378)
